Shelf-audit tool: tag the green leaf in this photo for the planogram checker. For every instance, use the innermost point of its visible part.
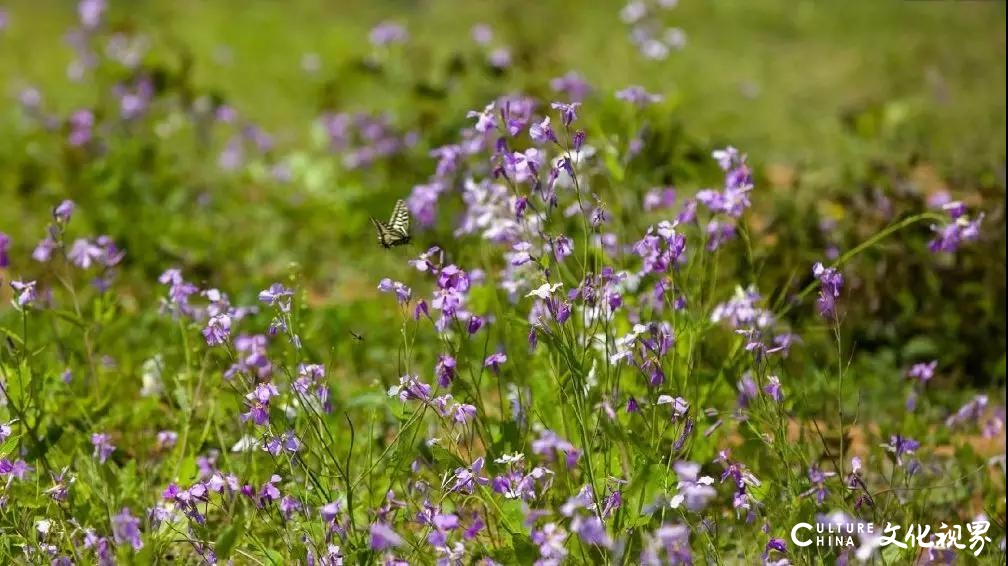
(447, 458)
(182, 398)
(226, 541)
(187, 470)
(370, 399)
(13, 337)
(613, 165)
(70, 317)
(512, 516)
(8, 445)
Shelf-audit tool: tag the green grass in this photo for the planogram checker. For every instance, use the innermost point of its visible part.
(932, 68)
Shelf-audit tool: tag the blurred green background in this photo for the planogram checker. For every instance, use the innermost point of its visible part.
(779, 78)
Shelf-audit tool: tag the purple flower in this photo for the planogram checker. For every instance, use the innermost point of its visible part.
(551, 540)
(500, 58)
(103, 447)
(520, 254)
(923, 371)
(61, 484)
(217, 330)
(637, 96)
(954, 209)
(402, 292)
(277, 294)
(269, 492)
(973, 410)
(288, 506)
(179, 292)
(831, 281)
(747, 389)
(442, 523)
(818, 478)
(287, 442)
(542, 132)
(466, 479)
(423, 201)
(4, 249)
(550, 442)
(463, 413)
(90, 13)
(132, 102)
(900, 446)
(523, 167)
(742, 311)
(126, 529)
(632, 406)
(563, 247)
(110, 255)
(258, 401)
(453, 278)
(166, 439)
(251, 358)
(661, 248)
(103, 549)
(774, 545)
(485, 120)
(474, 324)
(423, 262)
(495, 360)
(421, 310)
(693, 490)
(18, 469)
(950, 236)
(26, 292)
(64, 211)
(573, 85)
(578, 141)
(773, 389)
(727, 158)
(43, 251)
(656, 199)
(481, 34)
(387, 33)
(81, 123)
(409, 388)
(445, 370)
(382, 537)
(83, 253)
(673, 541)
(568, 111)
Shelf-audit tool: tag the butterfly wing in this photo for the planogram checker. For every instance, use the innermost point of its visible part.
(386, 236)
(400, 220)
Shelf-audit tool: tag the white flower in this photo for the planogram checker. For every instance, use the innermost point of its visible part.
(246, 444)
(510, 458)
(150, 376)
(633, 12)
(545, 290)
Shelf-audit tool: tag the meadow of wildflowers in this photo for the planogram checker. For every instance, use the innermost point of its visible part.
(617, 336)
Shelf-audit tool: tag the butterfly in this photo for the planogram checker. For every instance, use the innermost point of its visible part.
(396, 231)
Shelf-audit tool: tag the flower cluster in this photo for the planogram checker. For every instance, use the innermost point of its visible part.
(648, 31)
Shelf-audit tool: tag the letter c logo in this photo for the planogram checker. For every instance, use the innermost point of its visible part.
(794, 534)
